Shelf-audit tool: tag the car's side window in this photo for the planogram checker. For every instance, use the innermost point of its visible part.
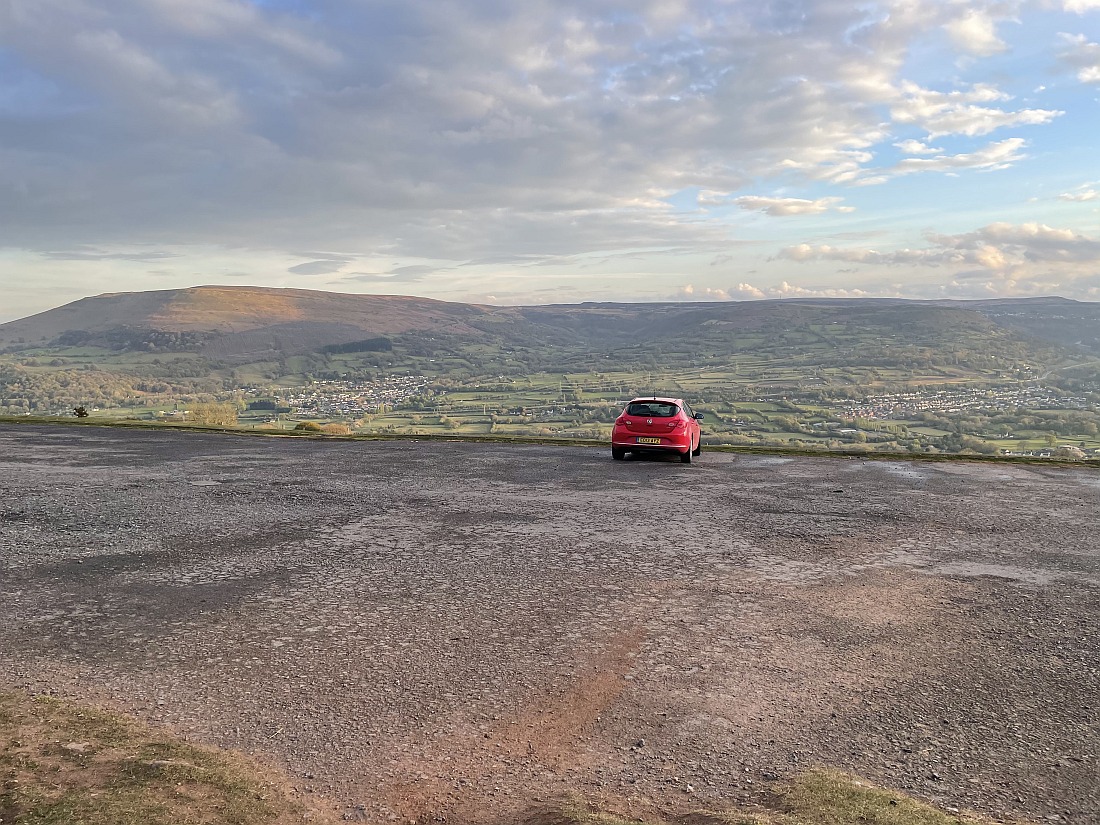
(687, 410)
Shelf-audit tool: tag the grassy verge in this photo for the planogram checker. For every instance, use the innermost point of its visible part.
(554, 441)
(818, 797)
(60, 763)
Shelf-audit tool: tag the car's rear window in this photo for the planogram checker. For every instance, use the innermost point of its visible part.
(652, 409)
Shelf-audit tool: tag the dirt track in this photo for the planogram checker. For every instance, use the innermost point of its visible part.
(416, 629)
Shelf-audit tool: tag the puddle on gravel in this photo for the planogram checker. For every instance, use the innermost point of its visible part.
(972, 569)
(908, 471)
(765, 461)
(792, 570)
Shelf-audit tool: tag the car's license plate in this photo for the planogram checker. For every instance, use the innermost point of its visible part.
(644, 440)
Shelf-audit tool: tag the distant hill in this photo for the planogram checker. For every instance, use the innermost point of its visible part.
(216, 311)
(231, 325)
(1073, 324)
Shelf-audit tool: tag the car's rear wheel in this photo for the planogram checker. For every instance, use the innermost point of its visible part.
(618, 453)
(686, 456)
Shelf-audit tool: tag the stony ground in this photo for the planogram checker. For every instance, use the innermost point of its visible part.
(426, 630)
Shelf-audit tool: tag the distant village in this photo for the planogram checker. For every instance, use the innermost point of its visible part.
(353, 399)
(905, 405)
(852, 421)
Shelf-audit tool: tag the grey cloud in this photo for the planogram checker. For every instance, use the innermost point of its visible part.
(1015, 254)
(88, 255)
(325, 264)
(1036, 242)
(509, 260)
(364, 277)
(325, 256)
(317, 268)
(971, 275)
(401, 274)
(241, 125)
(441, 129)
(412, 273)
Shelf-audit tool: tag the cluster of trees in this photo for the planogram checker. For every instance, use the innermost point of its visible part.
(213, 414)
(134, 339)
(1019, 423)
(30, 390)
(368, 345)
(23, 391)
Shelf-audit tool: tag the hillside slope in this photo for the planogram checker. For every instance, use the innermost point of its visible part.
(227, 310)
(238, 324)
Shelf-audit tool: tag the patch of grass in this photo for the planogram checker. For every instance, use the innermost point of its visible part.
(61, 763)
(817, 797)
(829, 797)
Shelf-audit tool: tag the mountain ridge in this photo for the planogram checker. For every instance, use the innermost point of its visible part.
(246, 322)
(225, 309)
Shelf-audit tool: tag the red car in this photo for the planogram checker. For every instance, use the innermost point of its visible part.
(661, 425)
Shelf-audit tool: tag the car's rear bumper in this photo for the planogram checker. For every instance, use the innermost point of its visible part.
(667, 445)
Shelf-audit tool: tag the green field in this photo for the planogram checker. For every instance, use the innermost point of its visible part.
(583, 406)
(906, 379)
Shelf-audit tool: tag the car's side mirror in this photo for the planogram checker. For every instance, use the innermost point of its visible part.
(698, 416)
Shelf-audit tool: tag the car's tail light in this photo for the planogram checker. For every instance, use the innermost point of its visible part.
(673, 423)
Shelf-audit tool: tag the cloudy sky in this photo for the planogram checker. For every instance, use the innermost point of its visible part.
(550, 150)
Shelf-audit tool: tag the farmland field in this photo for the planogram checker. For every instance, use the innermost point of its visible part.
(859, 376)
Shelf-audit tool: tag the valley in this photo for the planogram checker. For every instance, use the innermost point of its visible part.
(1018, 377)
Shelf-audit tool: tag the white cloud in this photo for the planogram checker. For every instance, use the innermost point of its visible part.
(916, 147)
(1012, 257)
(457, 131)
(748, 291)
(976, 33)
(1080, 195)
(788, 290)
(997, 155)
(1031, 241)
(691, 293)
(957, 112)
(780, 207)
(1081, 6)
(1082, 56)
(994, 156)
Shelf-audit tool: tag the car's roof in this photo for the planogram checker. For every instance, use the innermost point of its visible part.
(656, 398)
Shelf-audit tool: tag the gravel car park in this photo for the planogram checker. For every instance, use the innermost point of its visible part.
(447, 629)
